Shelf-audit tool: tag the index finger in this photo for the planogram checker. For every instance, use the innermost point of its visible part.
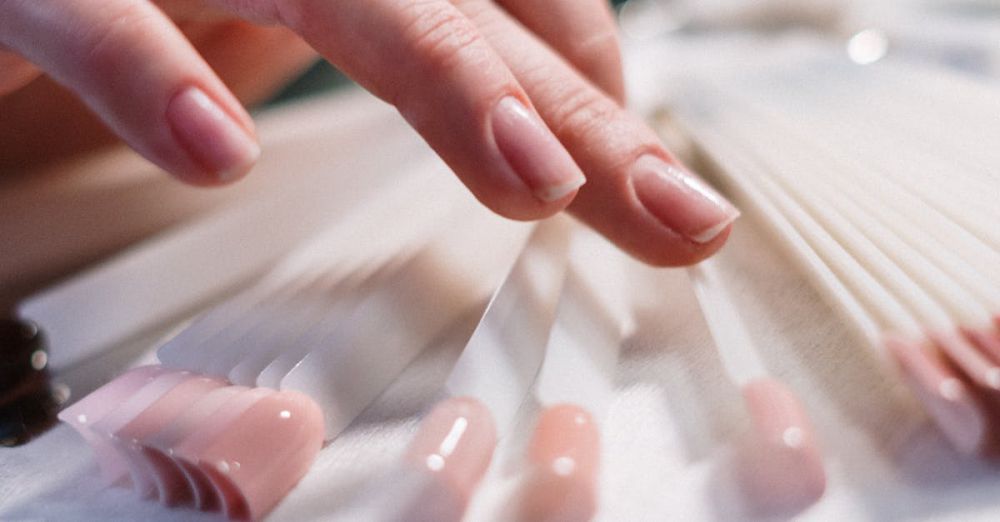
(583, 32)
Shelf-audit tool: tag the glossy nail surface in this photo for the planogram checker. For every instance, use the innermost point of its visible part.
(262, 454)
(455, 444)
(680, 200)
(563, 462)
(783, 469)
(210, 136)
(945, 397)
(150, 421)
(533, 152)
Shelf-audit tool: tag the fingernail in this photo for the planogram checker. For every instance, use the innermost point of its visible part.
(534, 152)
(212, 138)
(680, 200)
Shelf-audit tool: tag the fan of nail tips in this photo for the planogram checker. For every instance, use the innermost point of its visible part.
(196, 440)
(903, 243)
(338, 331)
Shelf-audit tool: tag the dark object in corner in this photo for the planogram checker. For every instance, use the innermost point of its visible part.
(28, 401)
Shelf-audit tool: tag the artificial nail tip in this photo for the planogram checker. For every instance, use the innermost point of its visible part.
(713, 232)
(557, 192)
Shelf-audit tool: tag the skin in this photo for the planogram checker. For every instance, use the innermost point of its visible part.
(113, 69)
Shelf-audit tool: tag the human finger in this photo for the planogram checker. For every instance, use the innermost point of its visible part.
(134, 68)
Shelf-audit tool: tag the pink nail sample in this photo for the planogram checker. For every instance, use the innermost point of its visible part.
(987, 340)
(128, 410)
(783, 467)
(153, 419)
(262, 454)
(193, 439)
(185, 452)
(563, 460)
(945, 396)
(977, 366)
(91, 409)
(174, 479)
(453, 448)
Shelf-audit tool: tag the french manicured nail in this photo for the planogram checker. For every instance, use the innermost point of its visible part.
(212, 138)
(534, 152)
(680, 200)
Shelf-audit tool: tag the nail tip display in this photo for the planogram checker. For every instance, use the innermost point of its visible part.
(240, 463)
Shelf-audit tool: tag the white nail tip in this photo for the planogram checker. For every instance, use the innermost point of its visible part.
(557, 192)
(711, 233)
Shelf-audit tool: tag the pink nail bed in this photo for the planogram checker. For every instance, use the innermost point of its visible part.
(680, 200)
(188, 438)
(533, 152)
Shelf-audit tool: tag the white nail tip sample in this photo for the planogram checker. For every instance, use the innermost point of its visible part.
(189, 439)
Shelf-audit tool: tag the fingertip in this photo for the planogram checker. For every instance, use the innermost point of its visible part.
(220, 148)
(523, 206)
(679, 252)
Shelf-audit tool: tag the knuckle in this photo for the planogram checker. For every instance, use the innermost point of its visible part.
(583, 113)
(441, 35)
(124, 28)
(596, 47)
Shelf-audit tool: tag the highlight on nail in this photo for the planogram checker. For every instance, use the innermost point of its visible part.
(780, 465)
(454, 444)
(563, 462)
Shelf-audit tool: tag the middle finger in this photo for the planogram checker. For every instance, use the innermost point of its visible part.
(637, 194)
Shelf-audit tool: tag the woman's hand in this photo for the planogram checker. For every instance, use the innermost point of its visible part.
(522, 98)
